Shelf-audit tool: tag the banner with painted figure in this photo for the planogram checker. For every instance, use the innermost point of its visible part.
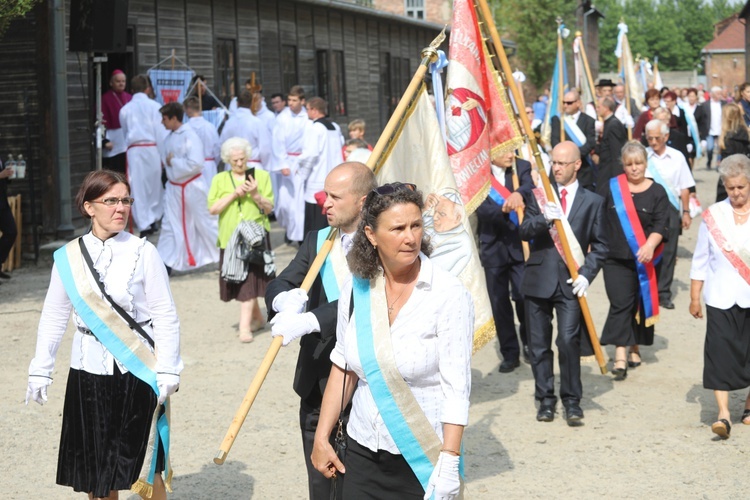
(417, 154)
(477, 111)
(170, 85)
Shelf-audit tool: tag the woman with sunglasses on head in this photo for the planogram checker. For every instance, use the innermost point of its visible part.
(125, 361)
(404, 340)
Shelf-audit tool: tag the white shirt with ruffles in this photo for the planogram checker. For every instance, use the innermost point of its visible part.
(432, 341)
(135, 277)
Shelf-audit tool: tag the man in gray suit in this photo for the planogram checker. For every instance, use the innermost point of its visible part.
(547, 286)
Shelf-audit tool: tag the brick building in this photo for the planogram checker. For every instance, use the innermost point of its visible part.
(435, 11)
(724, 56)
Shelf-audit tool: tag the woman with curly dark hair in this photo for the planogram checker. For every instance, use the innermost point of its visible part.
(406, 345)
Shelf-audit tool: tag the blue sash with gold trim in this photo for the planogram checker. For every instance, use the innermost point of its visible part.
(115, 335)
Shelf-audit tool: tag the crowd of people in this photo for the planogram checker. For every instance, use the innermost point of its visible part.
(385, 335)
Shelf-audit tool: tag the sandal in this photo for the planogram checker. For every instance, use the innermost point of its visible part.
(246, 337)
(722, 428)
(746, 416)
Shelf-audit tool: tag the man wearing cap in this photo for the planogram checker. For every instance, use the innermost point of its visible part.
(113, 149)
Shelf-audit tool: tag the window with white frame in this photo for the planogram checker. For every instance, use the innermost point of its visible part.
(415, 8)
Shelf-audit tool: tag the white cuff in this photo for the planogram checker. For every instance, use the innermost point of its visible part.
(455, 411)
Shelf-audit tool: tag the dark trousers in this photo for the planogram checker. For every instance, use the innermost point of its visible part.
(379, 475)
(116, 163)
(539, 323)
(8, 228)
(319, 486)
(314, 218)
(502, 284)
(665, 271)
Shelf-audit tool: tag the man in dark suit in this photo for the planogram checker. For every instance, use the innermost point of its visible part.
(346, 187)
(587, 126)
(501, 254)
(547, 286)
(708, 119)
(614, 137)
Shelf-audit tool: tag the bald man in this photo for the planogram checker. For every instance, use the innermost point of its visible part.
(547, 286)
(293, 316)
(581, 129)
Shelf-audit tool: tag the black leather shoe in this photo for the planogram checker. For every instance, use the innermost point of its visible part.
(546, 413)
(5, 276)
(574, 415)
(508, 365)
(526, 355)
(666, 304)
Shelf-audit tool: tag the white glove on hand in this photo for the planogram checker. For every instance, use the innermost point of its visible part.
(704, 145)
(552, 211)
(444, 481)
(290, 301)
(167, 384)
(580, 285)
(292, 326)
(37, 389)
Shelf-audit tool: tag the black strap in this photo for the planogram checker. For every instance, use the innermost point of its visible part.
(119, 310)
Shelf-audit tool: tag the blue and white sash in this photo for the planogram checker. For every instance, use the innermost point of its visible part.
(126, 346)
(693, 129)
(573, 131)
(653, 170)
(335, 269)
(406, 422)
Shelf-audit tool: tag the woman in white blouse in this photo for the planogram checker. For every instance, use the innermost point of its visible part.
(406, 345)
(114, 417)
(721, 270)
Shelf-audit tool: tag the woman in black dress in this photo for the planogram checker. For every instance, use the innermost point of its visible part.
(627, 322)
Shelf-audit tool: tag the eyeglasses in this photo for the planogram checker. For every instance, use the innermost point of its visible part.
(569, 103)
(562, 163)
(111, 202)
(394, 187)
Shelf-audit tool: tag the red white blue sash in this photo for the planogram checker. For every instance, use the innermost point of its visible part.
(636, 238)
(499, 194)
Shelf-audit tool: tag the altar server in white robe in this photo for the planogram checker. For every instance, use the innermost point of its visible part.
(208, 135)
(288, 137)
(142, 128)
(321, 152)
(189, 233)
(247, 126)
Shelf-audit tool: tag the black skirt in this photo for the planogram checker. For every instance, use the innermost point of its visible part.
(726, 355)
(378, 475)
(105, 428)
(624, 327)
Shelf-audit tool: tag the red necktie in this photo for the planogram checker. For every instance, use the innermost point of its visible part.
(563, 203)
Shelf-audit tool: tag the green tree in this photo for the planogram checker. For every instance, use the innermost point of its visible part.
(13, 9)
(531, 24)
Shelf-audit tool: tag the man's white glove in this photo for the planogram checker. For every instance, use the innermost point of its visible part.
(168, 384)
(291, 301)
(704, 145)
(580, 285)
(689, 148)
(292, 326)
(552, 211)
(444, 481)
(37, 389)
